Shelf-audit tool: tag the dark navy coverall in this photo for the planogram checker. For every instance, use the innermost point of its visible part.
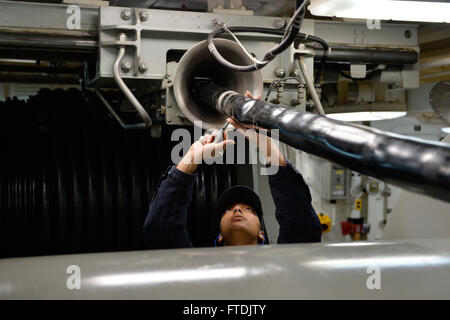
(165, 225)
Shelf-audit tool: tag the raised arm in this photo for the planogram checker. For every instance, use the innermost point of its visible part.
(294, 212)
(165, 225)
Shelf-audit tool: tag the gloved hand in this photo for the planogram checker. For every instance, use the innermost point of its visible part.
(267, 147)
(204, 148)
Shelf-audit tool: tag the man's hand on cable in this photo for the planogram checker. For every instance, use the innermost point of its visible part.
(204, 148)
(207, 148)
(265, 144)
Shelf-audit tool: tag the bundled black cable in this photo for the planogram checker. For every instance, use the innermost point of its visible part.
(302, 36)
(286, 42)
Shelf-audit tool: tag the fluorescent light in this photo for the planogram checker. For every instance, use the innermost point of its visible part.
(357, 244)
(382, 262)
(366, 115)
(18, 61)
(446, 130)
(173, 276)
(400, 10)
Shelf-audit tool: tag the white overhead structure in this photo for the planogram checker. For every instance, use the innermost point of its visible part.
(425, 11)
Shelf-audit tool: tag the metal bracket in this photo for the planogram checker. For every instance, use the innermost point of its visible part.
(139, 108)
(122, 43)
(116, 116)
(136, 43)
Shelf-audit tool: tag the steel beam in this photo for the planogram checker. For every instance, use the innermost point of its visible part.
(36, 30)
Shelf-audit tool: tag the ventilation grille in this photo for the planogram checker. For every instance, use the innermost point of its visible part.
(440, 100)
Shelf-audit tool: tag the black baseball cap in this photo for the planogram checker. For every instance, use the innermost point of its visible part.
(236, 194)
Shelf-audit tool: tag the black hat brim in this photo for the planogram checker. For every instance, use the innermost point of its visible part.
(239, 194)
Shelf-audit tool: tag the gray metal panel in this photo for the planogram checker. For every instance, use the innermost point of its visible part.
(358, 33)
(187, 21)
(165, 30)
(31, 15)
(409, 269)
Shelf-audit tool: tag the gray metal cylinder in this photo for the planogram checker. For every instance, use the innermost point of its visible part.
(408, 269)
(198, 62)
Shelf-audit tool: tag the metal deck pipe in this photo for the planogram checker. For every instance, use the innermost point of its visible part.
(407, 269)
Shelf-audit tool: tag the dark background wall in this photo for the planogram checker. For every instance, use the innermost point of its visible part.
(73, 181)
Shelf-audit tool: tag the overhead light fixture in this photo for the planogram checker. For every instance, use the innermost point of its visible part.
(358, 113)
(446, 130)
(366, 116)
(18, 61)
(400, 10)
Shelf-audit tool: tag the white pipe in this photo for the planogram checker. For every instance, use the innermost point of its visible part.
(310, 85)
(435, 75)
(121, 84)
(435, 64)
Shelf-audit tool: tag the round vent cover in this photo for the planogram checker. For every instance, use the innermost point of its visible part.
(440, 100)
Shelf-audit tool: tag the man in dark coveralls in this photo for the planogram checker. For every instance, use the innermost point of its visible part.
(239, 206)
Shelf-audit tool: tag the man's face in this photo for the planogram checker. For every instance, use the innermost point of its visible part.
(240, 219)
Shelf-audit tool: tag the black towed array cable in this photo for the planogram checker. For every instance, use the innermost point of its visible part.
(345, 143)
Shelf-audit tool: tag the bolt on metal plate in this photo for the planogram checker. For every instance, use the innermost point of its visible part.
(126, 14)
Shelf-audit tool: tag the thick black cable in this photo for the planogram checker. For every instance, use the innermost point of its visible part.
(280, 32)
(386, 156)
(286, 42)
(324, 57)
